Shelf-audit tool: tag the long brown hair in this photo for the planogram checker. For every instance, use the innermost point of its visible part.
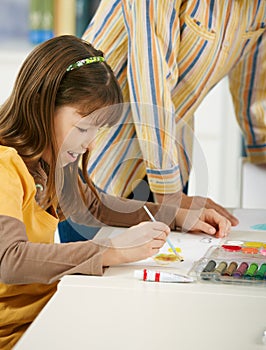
(43, 83)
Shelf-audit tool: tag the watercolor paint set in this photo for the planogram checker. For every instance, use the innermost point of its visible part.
(241, 262)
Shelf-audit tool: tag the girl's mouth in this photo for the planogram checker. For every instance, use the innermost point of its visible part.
(73, 155)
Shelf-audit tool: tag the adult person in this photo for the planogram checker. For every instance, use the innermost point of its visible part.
(170, 54)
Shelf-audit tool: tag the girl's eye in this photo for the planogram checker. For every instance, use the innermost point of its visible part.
(81, 130)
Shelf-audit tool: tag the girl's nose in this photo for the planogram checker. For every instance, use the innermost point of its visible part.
(89, 145)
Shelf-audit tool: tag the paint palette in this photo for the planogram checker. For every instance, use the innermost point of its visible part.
(233, 262)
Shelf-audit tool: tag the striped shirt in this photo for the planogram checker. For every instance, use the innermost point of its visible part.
(167, 55)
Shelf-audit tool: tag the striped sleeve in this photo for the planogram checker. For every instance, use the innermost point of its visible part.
(153, 32)
(248, 89)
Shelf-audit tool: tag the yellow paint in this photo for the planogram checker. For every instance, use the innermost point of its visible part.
(254, 244)
(177, 249)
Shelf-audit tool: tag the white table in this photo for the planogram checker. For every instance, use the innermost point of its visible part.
(118, 312)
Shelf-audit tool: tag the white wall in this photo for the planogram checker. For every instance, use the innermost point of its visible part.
(14, 19)
(219, 137)
(11, 59)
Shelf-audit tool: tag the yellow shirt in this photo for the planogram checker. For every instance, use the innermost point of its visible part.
(30, 263)
(19, 305)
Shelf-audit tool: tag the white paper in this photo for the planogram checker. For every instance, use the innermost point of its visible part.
(250, 220)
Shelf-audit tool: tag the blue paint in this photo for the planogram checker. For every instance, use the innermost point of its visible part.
(261, 227)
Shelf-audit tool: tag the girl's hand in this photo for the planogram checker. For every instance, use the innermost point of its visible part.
(204, 220)
(136, 243)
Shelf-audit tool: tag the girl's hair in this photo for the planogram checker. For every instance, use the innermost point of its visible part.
(43, 83)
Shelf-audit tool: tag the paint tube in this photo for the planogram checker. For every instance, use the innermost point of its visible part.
(157, 276)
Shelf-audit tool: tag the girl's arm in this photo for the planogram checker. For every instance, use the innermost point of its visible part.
(23, 262)
(117, 211)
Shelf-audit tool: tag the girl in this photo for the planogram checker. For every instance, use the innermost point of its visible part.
(47, 127)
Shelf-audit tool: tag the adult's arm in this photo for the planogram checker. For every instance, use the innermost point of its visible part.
(153, 32)
(248, 89)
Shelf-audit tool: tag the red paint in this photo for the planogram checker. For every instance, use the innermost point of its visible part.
(231, 248)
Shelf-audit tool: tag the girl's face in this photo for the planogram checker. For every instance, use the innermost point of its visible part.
(74, 135)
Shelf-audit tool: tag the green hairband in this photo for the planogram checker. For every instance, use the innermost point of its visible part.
(84, 62)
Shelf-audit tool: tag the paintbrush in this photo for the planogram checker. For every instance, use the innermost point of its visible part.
(167, 239)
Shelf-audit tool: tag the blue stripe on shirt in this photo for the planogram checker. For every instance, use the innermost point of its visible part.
(195, 9)
(256, 146)
(162, 171)
(169, 50)
(121, 159)
(211, 15)
(121, 70)
(193, 62)
(109, 143)
(152, 82)
(109, 14)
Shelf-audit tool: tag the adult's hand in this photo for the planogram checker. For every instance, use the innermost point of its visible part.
(203, 220)
(194, 202)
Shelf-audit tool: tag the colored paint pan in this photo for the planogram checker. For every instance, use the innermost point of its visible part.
(250, 250)
(261, 273)
(210, 266)
(253, 244)
(263, 252)
(231, 248)
(221, 267)
(230, 269)
(206, 273)
(250, 273)
(240, 271)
